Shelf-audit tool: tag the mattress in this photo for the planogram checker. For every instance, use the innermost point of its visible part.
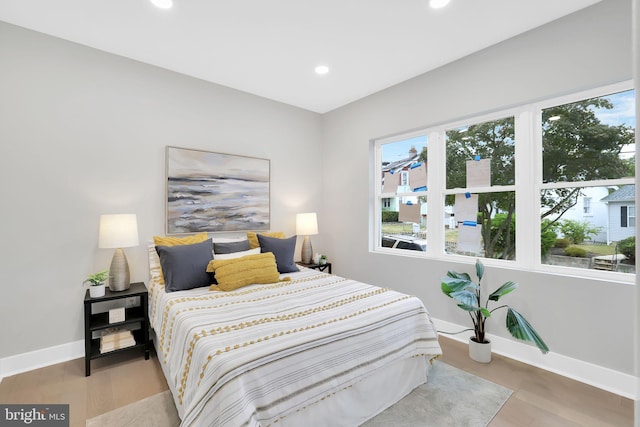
(317, 349)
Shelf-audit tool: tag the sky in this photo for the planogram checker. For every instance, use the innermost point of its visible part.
(623, 112)
(400, 150)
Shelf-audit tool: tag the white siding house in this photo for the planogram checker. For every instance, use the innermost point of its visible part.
(591, 207)
(621, 210)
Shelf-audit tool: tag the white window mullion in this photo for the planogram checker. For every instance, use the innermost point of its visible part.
(376, 197)
(435, 197)
(527, 200)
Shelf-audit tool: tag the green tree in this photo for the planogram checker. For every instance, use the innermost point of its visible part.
(577, 147)
(548, 237)
(578, 231)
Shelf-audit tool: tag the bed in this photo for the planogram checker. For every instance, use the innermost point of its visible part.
(310, 349)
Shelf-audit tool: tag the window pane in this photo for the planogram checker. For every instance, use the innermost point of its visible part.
(481, 225)
(481, 155)
(589, 140)
(593, 239)
(404, 171)
(404, 223)
(404, 166)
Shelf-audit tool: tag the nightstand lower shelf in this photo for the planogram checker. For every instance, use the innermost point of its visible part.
(138, 335)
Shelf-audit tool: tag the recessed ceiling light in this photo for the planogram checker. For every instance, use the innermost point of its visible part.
(163, 4)
(322, 69)
(437, 4)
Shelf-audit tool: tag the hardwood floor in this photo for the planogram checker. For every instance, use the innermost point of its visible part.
(115, 381)
(539, 398)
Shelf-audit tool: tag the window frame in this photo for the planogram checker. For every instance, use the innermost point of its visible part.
(528, 186)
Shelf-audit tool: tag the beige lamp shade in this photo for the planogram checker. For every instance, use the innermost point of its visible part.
(116, 232)
(306, 225)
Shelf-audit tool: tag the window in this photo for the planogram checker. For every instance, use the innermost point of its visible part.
(627, 216)
(480, 166)
(557, 200)
(401, 193)
(587, 154)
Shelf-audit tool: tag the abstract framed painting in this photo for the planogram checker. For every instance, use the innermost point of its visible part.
(216, 192)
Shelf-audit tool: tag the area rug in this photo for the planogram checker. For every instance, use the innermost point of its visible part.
(451, 398)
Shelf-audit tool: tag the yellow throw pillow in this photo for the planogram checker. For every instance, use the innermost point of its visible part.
(175, 241)
(248, 270)
(253, 237)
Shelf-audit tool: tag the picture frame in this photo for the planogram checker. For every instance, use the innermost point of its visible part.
(216, 192)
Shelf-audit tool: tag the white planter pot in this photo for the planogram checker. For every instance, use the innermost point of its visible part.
(96, 291)
(480, 352)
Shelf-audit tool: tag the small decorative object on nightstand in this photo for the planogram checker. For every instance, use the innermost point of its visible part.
(96, 283)
(102, 338)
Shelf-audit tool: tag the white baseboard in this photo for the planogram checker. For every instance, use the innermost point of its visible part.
(604, 378)
(24, 362)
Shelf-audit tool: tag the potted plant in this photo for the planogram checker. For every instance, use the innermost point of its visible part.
(96, 283)
(460, 287)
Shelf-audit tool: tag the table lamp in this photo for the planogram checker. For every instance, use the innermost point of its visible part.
(116, 232)
(306, 225)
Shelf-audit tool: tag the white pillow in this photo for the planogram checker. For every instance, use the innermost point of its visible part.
(228, 239)
(237, 254)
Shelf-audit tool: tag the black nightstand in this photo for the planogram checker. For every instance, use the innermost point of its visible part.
(321, 267)
(100, 321)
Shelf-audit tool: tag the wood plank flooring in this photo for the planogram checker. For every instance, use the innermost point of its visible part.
(539, 398)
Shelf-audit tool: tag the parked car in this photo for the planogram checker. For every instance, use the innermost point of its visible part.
(404, 242)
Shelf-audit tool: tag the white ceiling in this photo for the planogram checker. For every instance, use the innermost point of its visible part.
(270, 48)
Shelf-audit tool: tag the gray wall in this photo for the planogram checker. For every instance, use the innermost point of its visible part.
(589, 320)
(83, 133)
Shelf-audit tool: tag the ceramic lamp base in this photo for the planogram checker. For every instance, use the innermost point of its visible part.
(119, 279)
(307, 251)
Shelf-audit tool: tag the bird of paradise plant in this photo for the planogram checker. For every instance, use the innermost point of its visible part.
(460, 287)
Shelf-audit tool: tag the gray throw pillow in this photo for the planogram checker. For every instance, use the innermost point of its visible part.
(185, 266)
(230, 247)
(282, 249)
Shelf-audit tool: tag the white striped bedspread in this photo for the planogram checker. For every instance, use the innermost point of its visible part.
(253, 355)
